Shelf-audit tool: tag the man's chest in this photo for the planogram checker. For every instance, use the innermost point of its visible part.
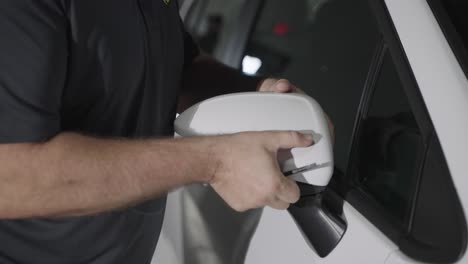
(125, 56)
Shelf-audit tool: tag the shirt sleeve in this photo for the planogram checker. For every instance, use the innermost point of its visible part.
(33, 62)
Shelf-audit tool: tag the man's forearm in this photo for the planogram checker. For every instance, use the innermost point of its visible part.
(208, 78)
(75, 175)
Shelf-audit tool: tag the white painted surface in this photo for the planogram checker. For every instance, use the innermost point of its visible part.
(278, 240)
(398, 257)
(254, 111)
(170, 248)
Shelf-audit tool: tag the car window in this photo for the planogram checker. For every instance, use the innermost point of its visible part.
(208, 20)
(391, 146)
(323, 46)
(397, 163)
(453, 19)
(457, 10)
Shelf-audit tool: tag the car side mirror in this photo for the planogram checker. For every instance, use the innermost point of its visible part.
(256, 111)
(312, 167)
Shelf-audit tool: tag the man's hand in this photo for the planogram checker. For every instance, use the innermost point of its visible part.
(248, 175)
(278, 86)
(285, 86)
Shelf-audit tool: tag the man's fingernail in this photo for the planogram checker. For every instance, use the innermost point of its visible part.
(310, 138)
(283, 87)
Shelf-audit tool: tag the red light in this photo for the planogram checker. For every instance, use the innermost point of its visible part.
(281, 28)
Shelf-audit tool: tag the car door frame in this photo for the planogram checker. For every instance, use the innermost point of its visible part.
(451, 244)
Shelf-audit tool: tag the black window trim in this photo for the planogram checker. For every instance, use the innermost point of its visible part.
(459, 48)
(391, 44)
(363, 202)
(357, 195)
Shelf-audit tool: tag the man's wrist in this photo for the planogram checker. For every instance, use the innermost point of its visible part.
(208, 151)
(215, 156)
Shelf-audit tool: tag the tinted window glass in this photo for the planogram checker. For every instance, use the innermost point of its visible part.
(457, 10)
(325, 47)
(453, 19)
(391, 145)
(209, 20)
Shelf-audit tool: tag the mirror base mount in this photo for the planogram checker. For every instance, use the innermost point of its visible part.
(320, 223)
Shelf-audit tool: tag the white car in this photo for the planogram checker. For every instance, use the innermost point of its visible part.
(392, 74)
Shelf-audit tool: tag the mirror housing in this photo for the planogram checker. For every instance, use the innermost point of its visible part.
(242, 112)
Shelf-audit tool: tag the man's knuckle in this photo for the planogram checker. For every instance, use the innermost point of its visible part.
(239, 207)
(242, 209)
(294, 136)
(277, 187)
(272, 188)
(265, 198)
(281, 206)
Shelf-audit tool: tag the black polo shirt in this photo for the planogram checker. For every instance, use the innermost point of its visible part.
(109, 68)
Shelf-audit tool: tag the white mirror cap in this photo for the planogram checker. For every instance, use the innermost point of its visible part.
(256, 111)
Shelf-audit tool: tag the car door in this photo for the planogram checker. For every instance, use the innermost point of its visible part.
(389, 162)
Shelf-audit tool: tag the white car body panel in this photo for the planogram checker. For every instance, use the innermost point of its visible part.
(278, 240)
(252, 111)
(170, 245)
(398, 257)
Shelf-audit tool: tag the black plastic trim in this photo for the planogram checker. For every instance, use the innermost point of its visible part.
(310, 190)
(448, 28)
(321, 220)
(392, 227)
(414, 237)
(354, 194)
(439, 231)
(374, 70)
(410, 85)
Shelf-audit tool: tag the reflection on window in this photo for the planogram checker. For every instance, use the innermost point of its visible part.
(324, 47)
(391, 145)
(457, 10)
(210, 37)
(208, 20)
(453, 18)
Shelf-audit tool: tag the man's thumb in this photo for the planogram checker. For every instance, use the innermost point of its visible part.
(293, 139)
